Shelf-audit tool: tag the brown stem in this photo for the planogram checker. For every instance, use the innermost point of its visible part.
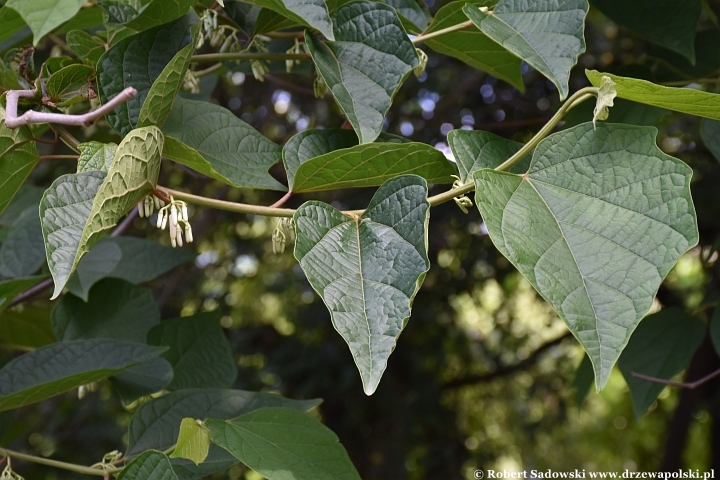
(284, 199)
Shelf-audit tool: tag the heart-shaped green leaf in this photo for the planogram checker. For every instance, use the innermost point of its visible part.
(309, 144)
(660, 21)
(661, 346)
(151, 465)
(267, 440)
(198, 351)
(156, 424)
(42, 16)
(595, 225)
(95, 156)
(472, 46)
(311, 13)
(193, 441)
(77, 209)
(370, 165)
(685, 100)
(57, 368)
(367, 270)
(366, 64)
(213, 141)
(475, 150)
(548, 34)
(150, 62)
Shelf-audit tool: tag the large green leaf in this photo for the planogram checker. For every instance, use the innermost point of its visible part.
(660, 21)
(366, 64)
(9, 289)
(95, 156)
(370, 165)
(151, 465)
(311, 13)
(280, 443)
(367, 270)
(475, 150)
(116, 309)
(57, 368)
(710, 133)
(64, 211)
(661, 346)
(548, 34)
(216, 461)
(136, 260)
(472, 46)
(29, 327)
(150, 62)
(198, 351)
(685, 100)
(156, 424)
(22, 252)
(42, 16)
(69, 232)
(18, 157)
(597, 222)
(213, 141)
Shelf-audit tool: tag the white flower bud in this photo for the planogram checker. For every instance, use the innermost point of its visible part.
(179, 237)
(173, 216)
(141, 209)
(183, 213)
(148, 207)
(188, 233)
(164, 220)
(161, 215)
(172, 242)
(173, 230)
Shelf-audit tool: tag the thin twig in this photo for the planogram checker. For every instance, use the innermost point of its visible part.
(454, 28)
(59, 157)
(284, 199)
(32, 116)
(688, 385)
(238, 56)
(57, 464)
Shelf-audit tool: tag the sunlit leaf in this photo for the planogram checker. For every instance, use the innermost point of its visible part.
(685, 100)
(95, 156)
(595, 225)
(193, 441)
(42, 16)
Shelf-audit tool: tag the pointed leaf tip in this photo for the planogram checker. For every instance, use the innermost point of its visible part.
(592, 233)
(368, 270)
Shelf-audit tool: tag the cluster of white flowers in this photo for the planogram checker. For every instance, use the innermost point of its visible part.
(284, 230)
(217, 34)
(174, 215)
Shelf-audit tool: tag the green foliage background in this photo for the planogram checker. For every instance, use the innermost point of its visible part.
(485, 374)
